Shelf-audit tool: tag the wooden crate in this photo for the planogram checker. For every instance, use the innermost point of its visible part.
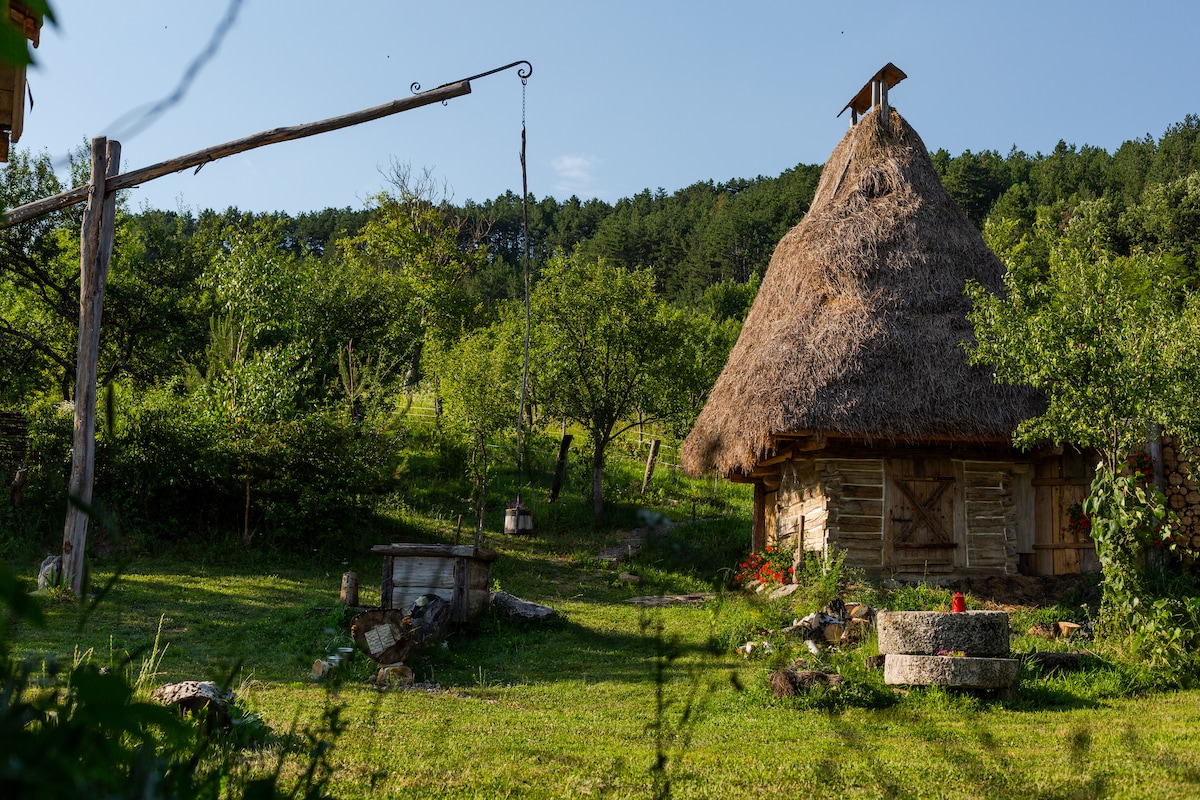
(461, 575)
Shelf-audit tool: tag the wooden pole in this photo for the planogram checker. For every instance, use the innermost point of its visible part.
(96, 243)
(201, 157)
(560, 466)
(349, 595)
(758, 534)
(650, 461)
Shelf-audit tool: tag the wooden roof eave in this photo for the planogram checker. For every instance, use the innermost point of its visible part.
(861, 102)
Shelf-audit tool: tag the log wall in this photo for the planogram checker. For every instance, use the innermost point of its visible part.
(990, 515)
(1183, 494)
(845, 504)
(858, 499)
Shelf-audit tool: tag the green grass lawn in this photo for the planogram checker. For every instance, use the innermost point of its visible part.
(569, 708)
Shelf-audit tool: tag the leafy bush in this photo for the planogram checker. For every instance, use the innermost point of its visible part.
(89, 732)
(170, 469)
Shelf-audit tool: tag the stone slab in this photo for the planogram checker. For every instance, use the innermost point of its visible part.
(964, 673)
(975, 633)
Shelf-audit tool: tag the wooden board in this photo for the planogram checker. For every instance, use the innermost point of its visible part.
(920, 533)
(1060, 483)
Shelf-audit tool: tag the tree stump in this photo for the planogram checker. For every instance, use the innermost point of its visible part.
(384, 634)
(388, 635)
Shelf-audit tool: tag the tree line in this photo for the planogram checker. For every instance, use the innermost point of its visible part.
(257, 365)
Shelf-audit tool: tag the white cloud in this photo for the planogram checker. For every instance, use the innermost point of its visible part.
(575, 174)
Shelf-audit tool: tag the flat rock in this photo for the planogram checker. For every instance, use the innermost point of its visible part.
(975, 633)
(786, 590)
(964, 673)
(203, 699)
(516, 607)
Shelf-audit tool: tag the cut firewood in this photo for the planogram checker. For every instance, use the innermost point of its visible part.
(384, 634)
(388, 635)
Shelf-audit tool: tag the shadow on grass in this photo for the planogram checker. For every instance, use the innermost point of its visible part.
(972, 754)
(509, 651)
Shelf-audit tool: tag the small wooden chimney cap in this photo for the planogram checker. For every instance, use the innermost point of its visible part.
(862, 102)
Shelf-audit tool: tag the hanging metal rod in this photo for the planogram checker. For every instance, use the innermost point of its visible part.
(523, 74)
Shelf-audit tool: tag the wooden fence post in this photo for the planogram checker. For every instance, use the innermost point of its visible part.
(650, 461)
(96, 243)
(560, 466)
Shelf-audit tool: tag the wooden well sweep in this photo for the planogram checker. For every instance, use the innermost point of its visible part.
(459, 574)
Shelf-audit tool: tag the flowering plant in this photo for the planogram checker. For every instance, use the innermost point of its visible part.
(1079, 522)
(772, 565)
(952, 653)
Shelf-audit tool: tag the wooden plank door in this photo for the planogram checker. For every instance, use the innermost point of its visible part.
(920, 533)
(1062, 482)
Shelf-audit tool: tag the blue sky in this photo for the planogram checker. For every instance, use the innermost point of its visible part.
(624, 95)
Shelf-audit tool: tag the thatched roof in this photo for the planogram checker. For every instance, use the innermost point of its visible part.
(857, 327)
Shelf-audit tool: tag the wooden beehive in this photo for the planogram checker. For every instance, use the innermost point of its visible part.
(461, 575)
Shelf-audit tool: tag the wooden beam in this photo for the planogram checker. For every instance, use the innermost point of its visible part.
(96, 245)
(201, 157)
(1066, 546)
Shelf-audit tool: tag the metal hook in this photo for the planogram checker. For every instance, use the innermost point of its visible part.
(523, 73)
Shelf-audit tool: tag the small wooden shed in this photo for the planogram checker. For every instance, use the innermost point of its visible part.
(848, 401)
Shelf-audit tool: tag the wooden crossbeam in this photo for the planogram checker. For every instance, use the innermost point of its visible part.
(199, 158)
(924, 508)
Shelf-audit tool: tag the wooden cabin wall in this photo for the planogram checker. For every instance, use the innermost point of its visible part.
(990, 513)
(990, 516)
(1059, 483)
(800, 507)
(855, 510)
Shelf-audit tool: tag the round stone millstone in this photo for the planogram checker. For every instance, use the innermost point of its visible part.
(974, 633)
(964, 673)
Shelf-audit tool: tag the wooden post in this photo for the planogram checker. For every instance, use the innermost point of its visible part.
(96, 243)
(1154, 449)
(758, 535)
(650, 461)
(883, 101)
(560, 466)
(349, 595)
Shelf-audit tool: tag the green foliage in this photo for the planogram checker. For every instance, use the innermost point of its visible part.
(601, 336)
(1144, 617)
(91, 731)
(1115, 351)
(1100, 335)
(479, 380)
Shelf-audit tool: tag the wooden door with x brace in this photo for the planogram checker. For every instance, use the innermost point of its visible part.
(920, 519)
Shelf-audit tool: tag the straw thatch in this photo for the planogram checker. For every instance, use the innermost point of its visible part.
(857, 327)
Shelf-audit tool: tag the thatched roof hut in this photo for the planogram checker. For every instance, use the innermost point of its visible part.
(857, 327)
(848, 401)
